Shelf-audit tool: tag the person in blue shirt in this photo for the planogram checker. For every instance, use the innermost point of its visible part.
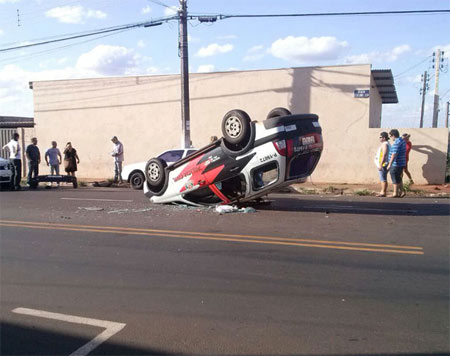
(397, 162)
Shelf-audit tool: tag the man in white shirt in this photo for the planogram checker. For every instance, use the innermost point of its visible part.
(15, 158)
(117, 153)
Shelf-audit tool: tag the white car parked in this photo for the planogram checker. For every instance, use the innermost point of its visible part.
(5, 173)
(134, 173)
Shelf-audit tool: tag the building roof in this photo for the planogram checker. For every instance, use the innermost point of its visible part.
(385, 84)
(15, 122)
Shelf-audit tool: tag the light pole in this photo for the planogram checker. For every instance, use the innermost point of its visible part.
(183, 53)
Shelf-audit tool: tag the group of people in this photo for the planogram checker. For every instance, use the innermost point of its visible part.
(393, 159)
(53, 158)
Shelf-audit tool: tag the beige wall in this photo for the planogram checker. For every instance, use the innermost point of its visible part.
(375, 105)
(144, 112)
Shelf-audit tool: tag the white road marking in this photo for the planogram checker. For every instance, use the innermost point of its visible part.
(110, 326)
(128, 201)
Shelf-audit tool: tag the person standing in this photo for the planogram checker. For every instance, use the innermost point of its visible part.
(53, 159)
(408, 149)
(13, 147)
(70, 159)
(381, 161)
(34, 159)
(118, 155)
(397, 162)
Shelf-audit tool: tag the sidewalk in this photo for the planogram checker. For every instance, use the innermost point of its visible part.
(414, 190)
(308, 188)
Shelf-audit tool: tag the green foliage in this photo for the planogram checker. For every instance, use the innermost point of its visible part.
(408, 189)
(363, 192)
(307, 191)
(331, 189)
(82, 183)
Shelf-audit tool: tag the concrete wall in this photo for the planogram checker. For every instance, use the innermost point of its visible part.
(144, 112)
(375, 105)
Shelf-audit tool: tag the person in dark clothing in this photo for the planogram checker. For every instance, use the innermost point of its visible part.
(34, 159)
(70, 159)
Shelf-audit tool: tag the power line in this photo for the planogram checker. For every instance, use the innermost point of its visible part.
(414, 66)
(95, 32)
(54, 49)
(362, 13)
(213, 18)
(160, 4)
(443, 95)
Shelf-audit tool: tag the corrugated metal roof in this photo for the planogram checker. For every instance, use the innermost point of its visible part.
(16, 121)
(385, 83)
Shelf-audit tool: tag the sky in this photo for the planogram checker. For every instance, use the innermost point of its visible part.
(402, 43)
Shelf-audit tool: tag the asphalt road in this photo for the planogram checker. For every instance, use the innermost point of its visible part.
(104, 272)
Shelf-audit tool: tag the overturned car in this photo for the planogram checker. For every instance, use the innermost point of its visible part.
(250, 160)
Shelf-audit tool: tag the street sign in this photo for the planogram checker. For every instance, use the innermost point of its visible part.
(361, 93)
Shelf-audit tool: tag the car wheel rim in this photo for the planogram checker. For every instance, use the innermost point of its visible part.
(154, 172)
(233, 127)
(136, 180)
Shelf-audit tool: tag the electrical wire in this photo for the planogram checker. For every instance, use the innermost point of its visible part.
(161, 4)
(361, 13)
(443, 95)
(220, 17)
(398, 76)
(55, 49)
(92, 33)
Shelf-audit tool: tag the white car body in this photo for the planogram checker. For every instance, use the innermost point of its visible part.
(170, 156)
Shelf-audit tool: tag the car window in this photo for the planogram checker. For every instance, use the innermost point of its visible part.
(171, 156)
(189, 152)
(265, 175)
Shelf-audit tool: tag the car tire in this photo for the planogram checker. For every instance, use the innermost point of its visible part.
(277, 112)
(137, 180)
(236, 127)
(155, 174)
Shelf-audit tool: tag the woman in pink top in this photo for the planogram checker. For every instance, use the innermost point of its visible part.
(408, 149)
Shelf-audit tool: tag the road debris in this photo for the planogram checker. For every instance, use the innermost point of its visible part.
(119, 211)
(225, 209)
(90, 208)
(122, 211)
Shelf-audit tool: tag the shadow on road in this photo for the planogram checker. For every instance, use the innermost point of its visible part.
(20, 340)
(386, 206)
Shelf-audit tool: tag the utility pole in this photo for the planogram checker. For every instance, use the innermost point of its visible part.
(437, 67)
(448, 113)
(423, 92)
(183, 53)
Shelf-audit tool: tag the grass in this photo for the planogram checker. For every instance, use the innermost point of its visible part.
(333, 190)
(307, 191)
(407, 188)
(82, 183)
(363, 192)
